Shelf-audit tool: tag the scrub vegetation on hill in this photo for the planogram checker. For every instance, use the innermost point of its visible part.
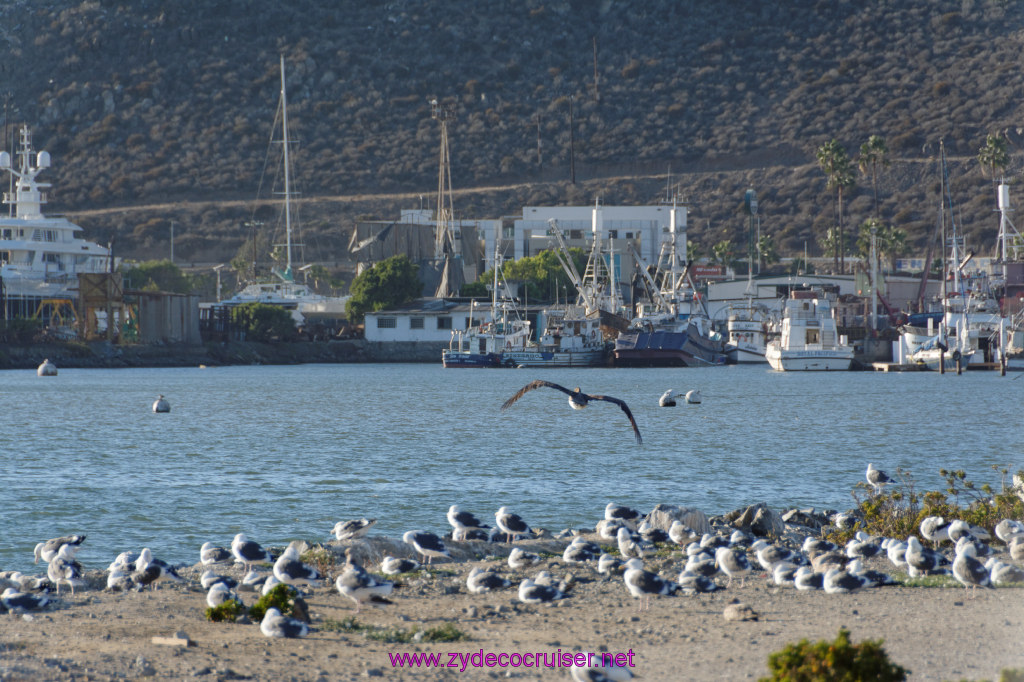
(158, 113)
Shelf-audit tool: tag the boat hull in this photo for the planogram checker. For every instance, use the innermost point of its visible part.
(455, 358)
(809, 360)
(667, 349)
(542, 358)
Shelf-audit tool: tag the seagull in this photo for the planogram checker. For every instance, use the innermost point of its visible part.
(653, 534)
(480, 581)
(510, 524)
(823, 562)
(733, 563)
(290, 570)
(921, 561)
(64, 569)
(668, 398)
(815, 546)
(161, 404)
(532, 593)
(681, 534)
(577, 401)
(1004, 574)
(16, 601)
(392, 566)
(608, 564)
(896, 550)
(579, 551)
(47, 550)
(125, 561)
(872, 577)
(247, 552)
(1017, 549)
(361, 587)
(427, 544)
(627, 546)
(862, 546)
(642, 584)
(209, 554)
(701, 564)
(118, 580)
(208, 579)
(958, 529)
(695, 583)
(462, 520)
(220, 593)
(1007, 529)
(519, 559)
(597, 670)
(150, 571)
(784, 573)
(805, 579)
(839, 581)
(276, 625)
(350, 530)
(969, 571)
(877, 479)
(771, 555)
(626, 515)
(934, 529)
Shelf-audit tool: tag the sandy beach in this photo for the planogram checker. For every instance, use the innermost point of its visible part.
(938, 633)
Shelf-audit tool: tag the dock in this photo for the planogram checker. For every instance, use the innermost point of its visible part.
(913, 367)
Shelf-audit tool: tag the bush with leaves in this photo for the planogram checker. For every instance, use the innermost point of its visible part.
(391, 282)
(228, 611)
(263, 322)
(838, 661)
(280, 597)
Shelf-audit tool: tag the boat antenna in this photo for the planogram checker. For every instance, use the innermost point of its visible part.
(287, 186)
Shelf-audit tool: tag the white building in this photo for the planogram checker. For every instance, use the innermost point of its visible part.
(424, 320)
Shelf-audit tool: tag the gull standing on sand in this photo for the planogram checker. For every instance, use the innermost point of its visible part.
(921, 561)
(350, 530)
(577, 401)
(463, 520)
(247, 552)
(150, 571)
(427, 544)
(510, 524)
(64, 569)
(628, 547)
(733, 563)
(642, 584)
(361, 587)
(877, 479)
(970, 572)
(274, 624)
(934, 529)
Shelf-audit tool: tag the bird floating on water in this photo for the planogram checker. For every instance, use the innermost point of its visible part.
(577, 400)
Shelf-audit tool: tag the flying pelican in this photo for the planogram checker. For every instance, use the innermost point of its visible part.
(577, 400)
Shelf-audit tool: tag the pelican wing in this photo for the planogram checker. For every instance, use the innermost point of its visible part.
(625, 408)
(539, 383)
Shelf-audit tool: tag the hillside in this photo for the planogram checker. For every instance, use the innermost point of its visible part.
(157, 112)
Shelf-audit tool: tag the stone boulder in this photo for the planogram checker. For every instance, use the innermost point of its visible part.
(663, 515)
(758, 519)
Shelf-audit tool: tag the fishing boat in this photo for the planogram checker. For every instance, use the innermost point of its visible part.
(570, 338)
(809, 339)
(282, 290)
(41, 256)
(673, 330)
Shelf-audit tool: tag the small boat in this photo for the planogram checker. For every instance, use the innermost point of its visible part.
(809, 340)
(570, 339)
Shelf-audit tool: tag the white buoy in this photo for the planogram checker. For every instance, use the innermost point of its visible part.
(161, 405)
(668, 399)
(693, 397)
(47, 369)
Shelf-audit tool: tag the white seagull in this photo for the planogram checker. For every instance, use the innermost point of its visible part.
(220, 593)
(290, 570)
(392, 566)
(806, 579)
(19, 602)
(276, 625)
(733, 563)
(628, 547)
(361, 587)
(350, 530)
(627, 515)
(427, 544)
(839, 581)
(480, 581)
(209, 554)
(532, 593)
(969, 571)
(47, 550)
(877, 479)
(519, 559)
(64, 569)
(247, 552)
(463, 520)
(921, 561)
(150, 571)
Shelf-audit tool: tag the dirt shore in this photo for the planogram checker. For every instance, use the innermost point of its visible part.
(938, 633)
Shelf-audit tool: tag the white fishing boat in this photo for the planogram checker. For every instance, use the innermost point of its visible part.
(570, 339)
(809, 339)
(283, 290)
(41, 257)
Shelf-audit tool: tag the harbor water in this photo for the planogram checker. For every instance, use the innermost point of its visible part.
(282, 453)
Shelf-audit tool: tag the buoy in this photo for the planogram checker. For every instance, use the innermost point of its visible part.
(668, 399)
(47, 369)
(161, 405)
(693, 397)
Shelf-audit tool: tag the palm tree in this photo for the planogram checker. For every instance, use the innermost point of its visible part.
(766, 250)
(832, 242)
(891, 241)
(873, 153)
(993, 155)
(835, 162)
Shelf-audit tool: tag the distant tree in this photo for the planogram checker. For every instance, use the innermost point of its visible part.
(873, 153)
(724, 253)
(542, 275)
(694, 251)
(798, 266)
(832, 242)
(159, 275)
(835, 163)
(993, 155)
(766, 250)
(890, 241)
(391, 282)
(262, 322)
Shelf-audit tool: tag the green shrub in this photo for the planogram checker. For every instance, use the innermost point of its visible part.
(837, 661)
(262, 322)
(228, 611)
(280, 597)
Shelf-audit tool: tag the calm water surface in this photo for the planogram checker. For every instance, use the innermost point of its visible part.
(282, 453)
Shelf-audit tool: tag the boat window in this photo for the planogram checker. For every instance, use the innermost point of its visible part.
(5, 256)
(6, 234)
(387, 323)
(812, 336)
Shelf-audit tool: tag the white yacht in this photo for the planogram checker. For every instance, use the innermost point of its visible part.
(809, 338)
(40, 256)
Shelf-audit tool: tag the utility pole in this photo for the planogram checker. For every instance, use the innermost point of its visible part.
(572, 144)
(540, 161)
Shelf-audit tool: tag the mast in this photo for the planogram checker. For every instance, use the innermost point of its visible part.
(287, 186)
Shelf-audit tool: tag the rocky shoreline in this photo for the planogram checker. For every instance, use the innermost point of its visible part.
(102, 355)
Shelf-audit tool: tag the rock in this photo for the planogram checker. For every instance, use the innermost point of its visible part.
(738, 611)
(759, 520)
(300, 610)
(809, 518)
(144, 668)
(663, 515)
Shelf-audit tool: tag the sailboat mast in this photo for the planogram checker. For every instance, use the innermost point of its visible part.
(287, 186)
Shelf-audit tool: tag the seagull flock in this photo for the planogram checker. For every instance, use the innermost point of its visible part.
(624, 539)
